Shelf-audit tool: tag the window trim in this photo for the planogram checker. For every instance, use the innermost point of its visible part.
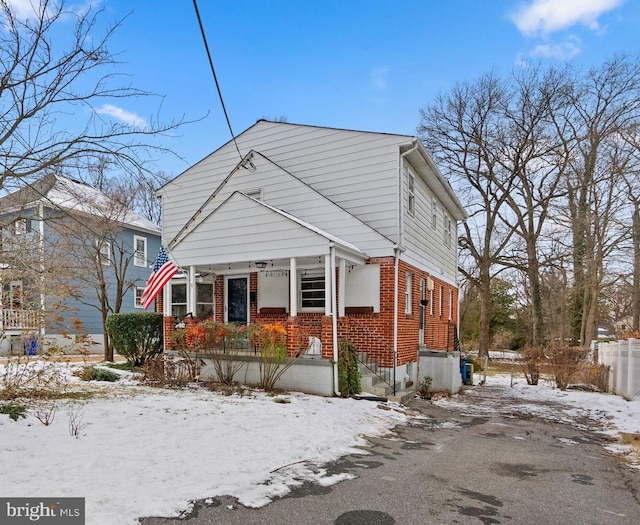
(136, 261)
(137, 299)
(411, 190)
(434, 213)
(105, 258)
(408, 293)
(318, 276)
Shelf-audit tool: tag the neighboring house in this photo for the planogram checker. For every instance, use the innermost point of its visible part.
(338, 234)
(61, 240)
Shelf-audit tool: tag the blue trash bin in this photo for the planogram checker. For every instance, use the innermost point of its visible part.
(31, 346)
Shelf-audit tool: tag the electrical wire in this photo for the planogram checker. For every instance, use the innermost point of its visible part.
(215, 77)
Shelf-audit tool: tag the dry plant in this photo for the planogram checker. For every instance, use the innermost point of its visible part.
(532, 360)
(76, 419)
(564, 364)
(26, 377)
(171, 371)
(46, 412)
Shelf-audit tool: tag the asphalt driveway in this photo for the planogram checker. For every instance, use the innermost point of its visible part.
(446, 466)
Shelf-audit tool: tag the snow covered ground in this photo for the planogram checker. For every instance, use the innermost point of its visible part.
(135, 451)
(142, 451)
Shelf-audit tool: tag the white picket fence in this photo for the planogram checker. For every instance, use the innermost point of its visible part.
(623, 359)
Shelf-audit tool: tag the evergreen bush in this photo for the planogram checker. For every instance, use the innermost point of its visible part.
(136, 336)
(348, 369)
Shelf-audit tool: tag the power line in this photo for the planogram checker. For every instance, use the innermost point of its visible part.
(215, 77)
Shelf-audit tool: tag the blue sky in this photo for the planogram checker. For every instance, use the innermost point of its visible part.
(354, 64)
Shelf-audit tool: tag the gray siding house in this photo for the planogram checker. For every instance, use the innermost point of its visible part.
(60, 239)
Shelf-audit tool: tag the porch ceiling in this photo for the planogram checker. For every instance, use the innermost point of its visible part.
(243, 231)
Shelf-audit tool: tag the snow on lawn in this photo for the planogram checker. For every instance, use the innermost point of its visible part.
(605, 413)
(142, 451)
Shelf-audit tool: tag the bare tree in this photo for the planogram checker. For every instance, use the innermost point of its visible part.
(43, 78)
(461, 130)
(97, 252)
(604, 109)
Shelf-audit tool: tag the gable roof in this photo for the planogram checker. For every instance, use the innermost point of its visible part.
(70, 195)
(310, 199)
(243, 228)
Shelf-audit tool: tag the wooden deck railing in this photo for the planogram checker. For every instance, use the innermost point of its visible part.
(18, 319)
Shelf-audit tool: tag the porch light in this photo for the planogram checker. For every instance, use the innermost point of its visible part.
(261, 264)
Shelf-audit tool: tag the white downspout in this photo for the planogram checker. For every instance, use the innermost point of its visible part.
(334, 318)
(396, 289)
(191, 291)
(400, 235)
(396, 252)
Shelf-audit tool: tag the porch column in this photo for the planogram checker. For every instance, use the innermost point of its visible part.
(191, 291)
(293, 287)
(327, 285)
(342, 287)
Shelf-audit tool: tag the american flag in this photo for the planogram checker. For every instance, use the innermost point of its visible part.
(163, 271)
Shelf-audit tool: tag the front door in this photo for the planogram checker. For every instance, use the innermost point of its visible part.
(237, 300)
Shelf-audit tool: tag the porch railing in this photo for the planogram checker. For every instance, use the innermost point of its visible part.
(18, 319)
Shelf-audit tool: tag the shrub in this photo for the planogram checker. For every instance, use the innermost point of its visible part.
(424, 387)
(271, 340)
(565, 363)
(91, 373)
(136, 336)
(221, 342)
(348, 369)
(532, 359)
(13, 411)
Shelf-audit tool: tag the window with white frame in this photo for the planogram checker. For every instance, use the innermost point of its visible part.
(179, 300)
(204, 300)
(137, 301)
(408, 295)
(431, 302)
(312, 291)
(104, 248)
(450, 305)
(434, 213)
(411, 185)
(139, 251)
(441, 300)
(22, 226)
(447, 230)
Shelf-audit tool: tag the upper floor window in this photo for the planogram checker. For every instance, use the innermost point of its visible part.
(434, 213)
(411, 184)
(312, 292)
(139, 251)
(448, 231)
(104, 248)
(22, 226)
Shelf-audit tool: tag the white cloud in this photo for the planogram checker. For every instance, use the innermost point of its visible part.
(379, 78)
(131, 119)
(23, 9)
(563, 50)
(542, 17)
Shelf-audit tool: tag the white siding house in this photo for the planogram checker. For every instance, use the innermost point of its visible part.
(353, 212)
